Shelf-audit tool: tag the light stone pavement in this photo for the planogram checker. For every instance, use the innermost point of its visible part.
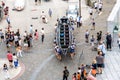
(40, 62)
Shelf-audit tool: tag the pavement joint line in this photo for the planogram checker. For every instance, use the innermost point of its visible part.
(40, 67)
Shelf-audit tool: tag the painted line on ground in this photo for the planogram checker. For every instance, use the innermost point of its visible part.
(40, 67)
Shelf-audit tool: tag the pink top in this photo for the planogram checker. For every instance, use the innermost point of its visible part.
(36, 34)
(9, 56)
(90, 77)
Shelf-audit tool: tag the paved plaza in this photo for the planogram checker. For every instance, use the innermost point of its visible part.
(40, 63)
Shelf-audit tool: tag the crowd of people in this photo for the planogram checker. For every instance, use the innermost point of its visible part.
(25, 42)
(100, 43)
(16, 42)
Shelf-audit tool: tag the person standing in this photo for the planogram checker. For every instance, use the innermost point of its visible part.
(8, 20)
(31, 29)
(19, 51)
(10, 58)
(78, 21)
(43, 16)
(102, 48)
(90, 77)
(1, 36)
(36, 34)
(93, 24)
(87, 36)
(109, 41)
(74, 76)
(50, 12)
(42, 35)
(35, 2)
(92, 40)
(96, 6)
(100, 7)
(3, 4)
(118, 41)
(65, 73)
(6, 10)
(100, 62)
(91, 12)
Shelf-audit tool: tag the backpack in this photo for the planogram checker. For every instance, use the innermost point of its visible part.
(66, 73)
(109, 37)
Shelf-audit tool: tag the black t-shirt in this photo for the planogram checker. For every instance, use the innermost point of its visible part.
(66, 73)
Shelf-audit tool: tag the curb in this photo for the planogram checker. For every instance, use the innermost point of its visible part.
(20, 73)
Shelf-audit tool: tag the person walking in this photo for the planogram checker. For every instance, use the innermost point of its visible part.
(42, 35)
(15, 60)
(10, 58)
(65, 73)
(50, 12)
(5, 70)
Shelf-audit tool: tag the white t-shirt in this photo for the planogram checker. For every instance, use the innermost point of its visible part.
(96, 4)
(14, 58)
(16, 38)
(78, 19)
(42, 32)
(100, 5)
(20, 42)
(25, 34)
(90, 10)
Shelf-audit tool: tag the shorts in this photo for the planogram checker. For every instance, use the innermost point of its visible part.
(100, 65)
(95, 7)
(90, 13)
(100, 9)
(11, 61)
(43, 18)
(93, 23)
(8, 22)
(72, 51)
(26, 45)
(2, 37)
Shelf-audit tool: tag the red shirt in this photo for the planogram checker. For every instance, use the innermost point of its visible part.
(9, 56)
